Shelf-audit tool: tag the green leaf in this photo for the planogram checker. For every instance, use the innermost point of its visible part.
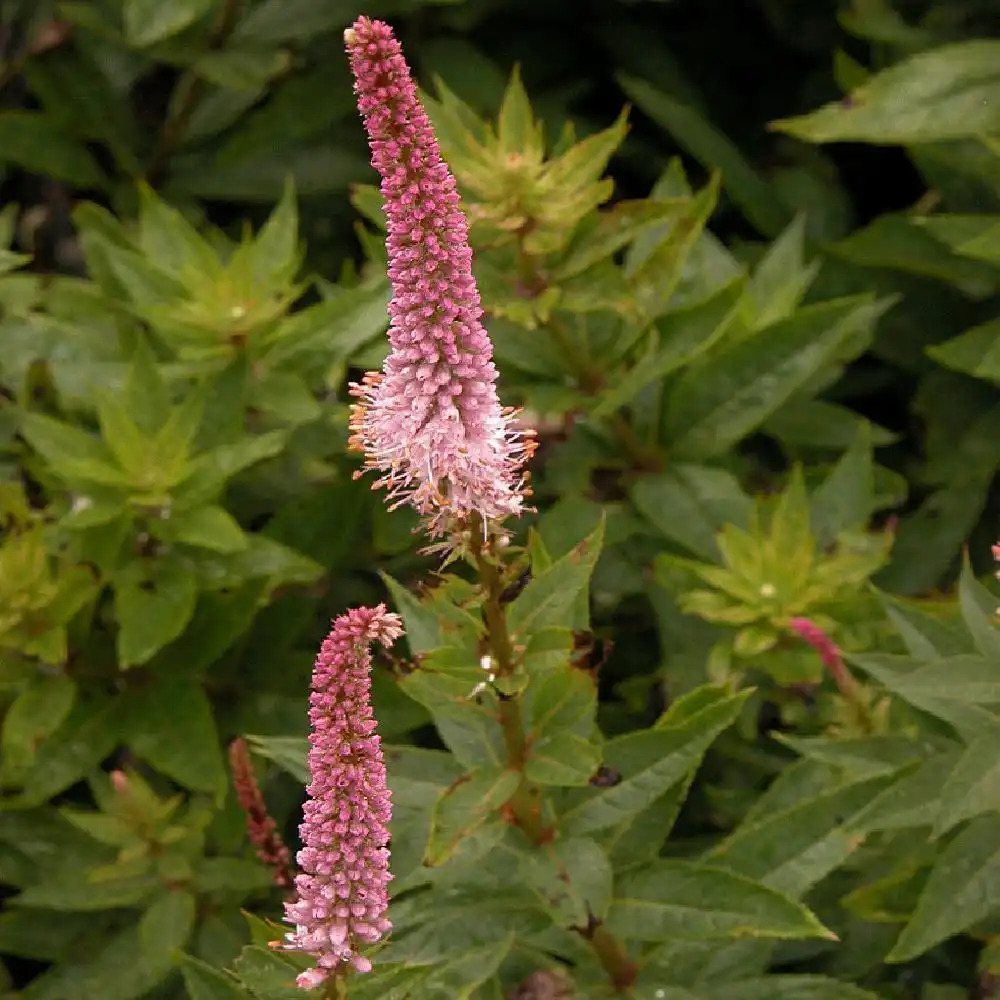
(735, 387)
(458, 978)
(764, 988)
(680, 336)
(912, 801)
(268, 973)
(955, 688)
(172, 727)
(897, 242)
(792, 841)
(76, 91)
(687, 902)
(314, 169)
(73, 454)
(550, 596)
(288, 752)
(167, 923)
(115, 969)
(465, 806)
(85, 895)
(35, 141)
(950, 92)
(147, 21)
(274, 254)
(88, 735)
(572, 878)
(650, 762)
(562, 759)
(167, 237)
(975, 352)
(36, 713)
(423, 633)
(979, 612)
(972, 787)
(846, 498)
(656, 277)
(689, 504)
(963, 888)
(782, 276)
(153, 605)
(205, 982)
(757, 199)
(208, 528)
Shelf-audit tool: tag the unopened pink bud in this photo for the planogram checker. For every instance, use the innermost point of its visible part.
(342, 893)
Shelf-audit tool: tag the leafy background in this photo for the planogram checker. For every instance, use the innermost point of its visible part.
(754, 323)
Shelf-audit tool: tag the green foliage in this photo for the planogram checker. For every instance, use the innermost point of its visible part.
(762, 368)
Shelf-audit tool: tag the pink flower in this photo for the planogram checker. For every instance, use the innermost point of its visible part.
(829, 651)
(342, 895)
(430, 422)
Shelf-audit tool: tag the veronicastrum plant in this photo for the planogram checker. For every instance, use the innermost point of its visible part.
(661, 738)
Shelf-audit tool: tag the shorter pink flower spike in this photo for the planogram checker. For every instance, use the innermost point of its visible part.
(342, 892)
(829, 651)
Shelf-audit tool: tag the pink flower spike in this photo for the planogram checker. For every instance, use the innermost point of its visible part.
(430, 423)
(342, 892)
(828, 650)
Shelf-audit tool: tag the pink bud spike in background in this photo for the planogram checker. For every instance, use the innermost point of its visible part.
(430, 422)
(342, 890)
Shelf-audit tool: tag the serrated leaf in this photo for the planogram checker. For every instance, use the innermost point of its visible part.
(650, 762)
(147, 21)
(550, 596)
(465, 806)
(946, 93)
(562, 759)
(208, 527)
(688, 902)
(167, 924)
(37, 712)
(153, 605)
(758, 200)
(205, 982)
(689, 504)
(846, 498)
(973, 785)
(793, 845)
(73, 454)
(679, 337)
(35, 141)
(288, 752)
(572, 879)
(963, 888)
(172, 727)
(115, 969)
(423, 632)
(735, 387)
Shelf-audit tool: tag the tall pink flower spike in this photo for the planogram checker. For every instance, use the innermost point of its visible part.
(430, 422)
(342, 893)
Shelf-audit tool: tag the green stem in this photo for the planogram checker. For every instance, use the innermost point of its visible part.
(335, 987)
(621, 970)
(524, 806)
